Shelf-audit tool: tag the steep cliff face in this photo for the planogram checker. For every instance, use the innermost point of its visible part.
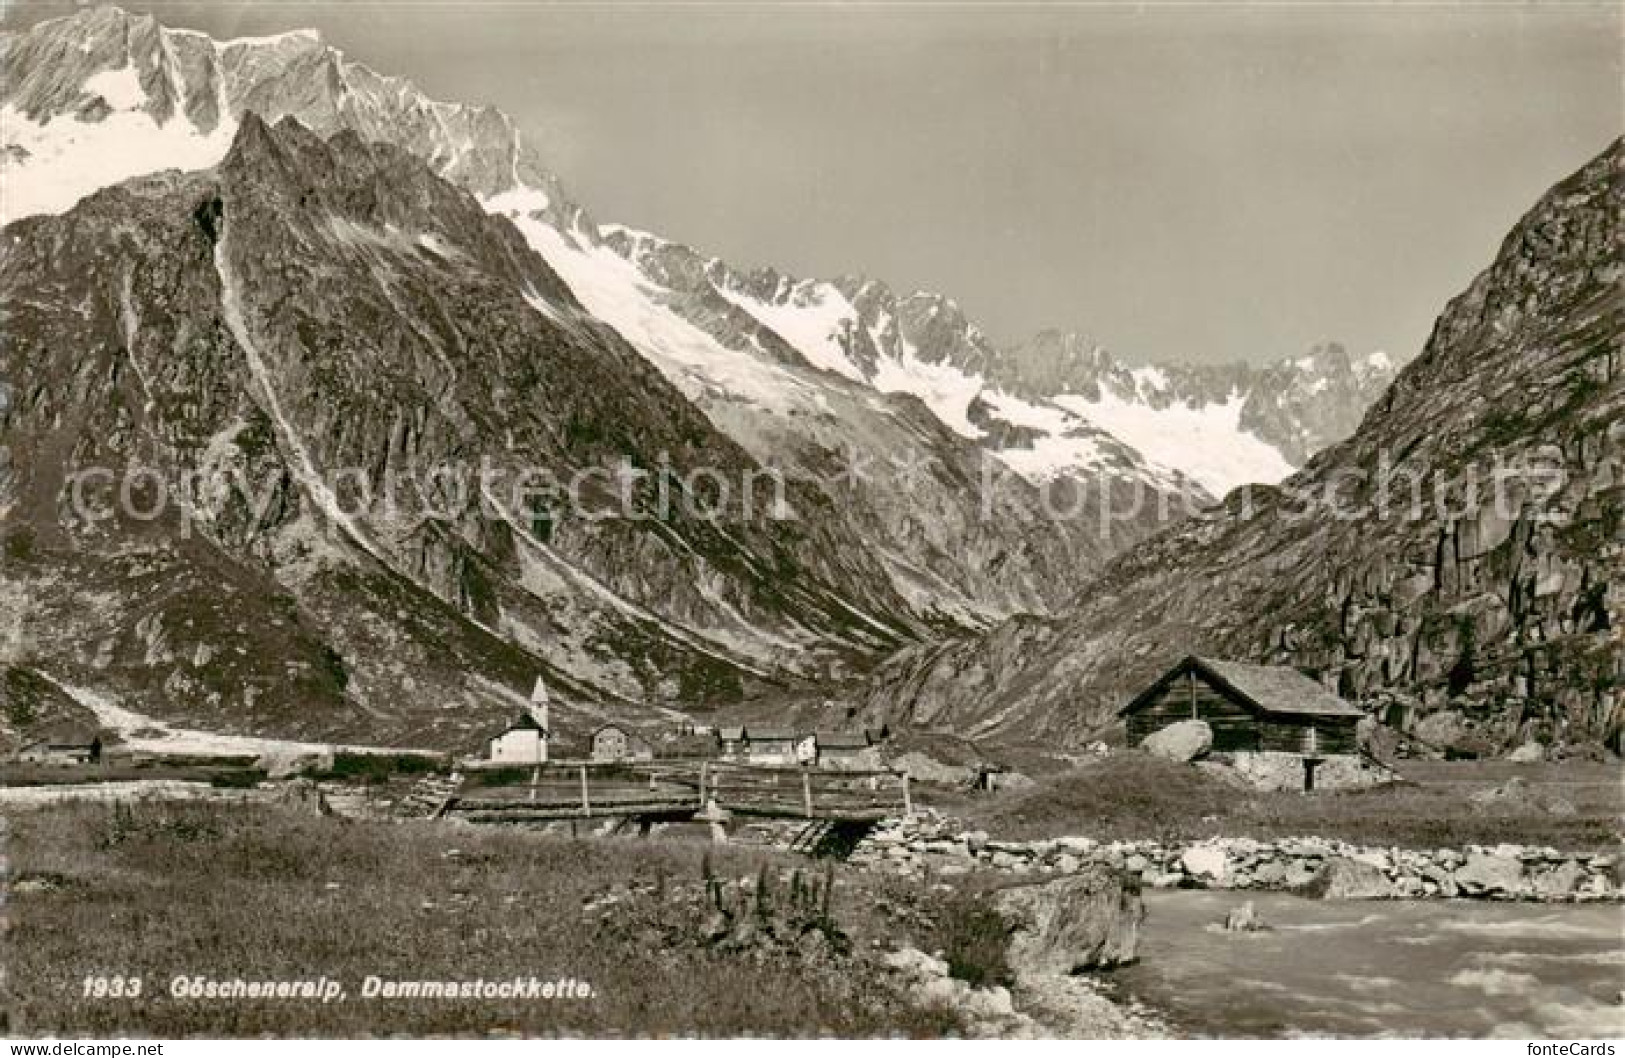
(1490, 608)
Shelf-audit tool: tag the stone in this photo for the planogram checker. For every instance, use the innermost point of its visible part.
(1182, 742)
(1244, 919)
(285, 764)
(1528, 753)
(1487, 874)
(1561, 882)
(304, 796)
(1342, 878)
(1085, 921)
(1067, 863)
(1205, 862)
(1270, 874)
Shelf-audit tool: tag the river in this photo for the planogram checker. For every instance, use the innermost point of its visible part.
(1390, 968)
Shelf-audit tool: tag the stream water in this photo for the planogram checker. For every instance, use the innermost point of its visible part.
(1389, 968)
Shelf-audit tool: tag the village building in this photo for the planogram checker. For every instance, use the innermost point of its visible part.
(846, 751)
(774, 747)
(807, 750)
(613, 742)
(525, 740)
(522, 742)
(63, 744)
(1278, 727)
(731, 742)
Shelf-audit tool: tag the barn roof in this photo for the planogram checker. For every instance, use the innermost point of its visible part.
(1275, 689)
(843, 740)
(730, 734)
(66, 733)
(773, 734)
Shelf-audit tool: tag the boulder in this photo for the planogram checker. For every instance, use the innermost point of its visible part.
(1486, 874)
(302, 795)
(1205, 862)
(1270, 874)
(1244, 919)
(1528, 753)
(1182, 742)
(1341, 878)
(1084, 921)
(1561, 882)
(285, 763)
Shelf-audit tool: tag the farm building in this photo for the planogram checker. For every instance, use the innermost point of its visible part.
(731, 741)
(1269, 712)
(807, 750)
(846, 750)
(614, 742)
(65, 744)
(771, 746)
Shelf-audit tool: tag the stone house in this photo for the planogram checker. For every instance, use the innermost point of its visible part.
(614, 742)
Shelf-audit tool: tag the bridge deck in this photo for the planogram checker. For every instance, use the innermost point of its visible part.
(584, 790)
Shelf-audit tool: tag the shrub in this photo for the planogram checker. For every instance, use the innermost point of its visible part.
(975, 939)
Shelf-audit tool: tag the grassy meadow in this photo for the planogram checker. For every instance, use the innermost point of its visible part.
(266, 892)
(1573, 806)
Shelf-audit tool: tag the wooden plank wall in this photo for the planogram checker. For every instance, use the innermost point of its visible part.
(1235, 728)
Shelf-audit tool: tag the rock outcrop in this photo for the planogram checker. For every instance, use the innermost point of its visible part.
(1089, 920)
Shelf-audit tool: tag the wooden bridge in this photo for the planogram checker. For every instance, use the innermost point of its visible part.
(834, 802)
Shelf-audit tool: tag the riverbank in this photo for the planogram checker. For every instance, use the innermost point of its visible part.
(925, 846)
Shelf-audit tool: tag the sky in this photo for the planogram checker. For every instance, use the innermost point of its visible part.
(1186, 182)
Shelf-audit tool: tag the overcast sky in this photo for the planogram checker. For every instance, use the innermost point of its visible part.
(1182, 182)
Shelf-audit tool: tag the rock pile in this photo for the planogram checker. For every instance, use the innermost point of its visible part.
(1316, 866)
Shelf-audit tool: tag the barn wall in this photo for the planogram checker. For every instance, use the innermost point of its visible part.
(1234, 728)
(1332, 735)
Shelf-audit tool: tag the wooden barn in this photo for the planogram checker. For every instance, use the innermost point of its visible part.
(63, 744)
(775, 747)
(1251, 709)
(849, 750)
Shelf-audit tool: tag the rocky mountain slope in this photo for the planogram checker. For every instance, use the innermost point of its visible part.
(1488, 611)
(284, 371)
